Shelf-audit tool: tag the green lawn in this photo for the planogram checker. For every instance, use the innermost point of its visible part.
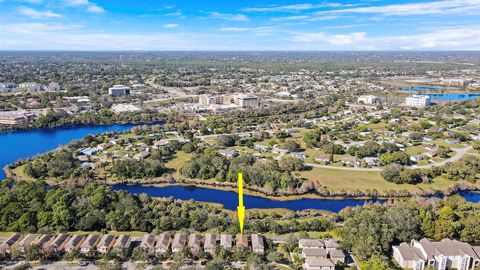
(177, 162)
(338, 180)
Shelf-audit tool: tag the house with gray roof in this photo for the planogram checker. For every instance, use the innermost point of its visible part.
(74, 243)
(210, 243)
(226, 241)
(318, 264)
(148, 243)
(445, 254)
(317, 253)
(179, 242)
(6, 247)
(195, 243)
(90, 243)
(258, 246)
(26, 242)
(106, 243)
(123, 241)
(163, 243)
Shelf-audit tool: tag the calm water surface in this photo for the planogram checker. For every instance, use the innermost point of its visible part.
(453, 97)
(229, 199)
(18, 145)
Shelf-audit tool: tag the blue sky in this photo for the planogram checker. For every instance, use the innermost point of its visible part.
(239, 25)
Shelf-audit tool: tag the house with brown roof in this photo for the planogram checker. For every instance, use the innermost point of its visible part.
(242, 241)
(90, 243)
(258, 245)
(226, 241)
(445, 254)
(210, 243)
(106, 243)
(148, 243)
(6, 247)
(318, 264)
(163, 243)
(123, 241)
(195, 243)
(179, 242)
(74, 243)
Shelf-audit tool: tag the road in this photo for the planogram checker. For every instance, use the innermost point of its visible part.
(459, 153)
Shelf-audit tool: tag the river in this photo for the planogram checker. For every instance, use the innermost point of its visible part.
(25, 144)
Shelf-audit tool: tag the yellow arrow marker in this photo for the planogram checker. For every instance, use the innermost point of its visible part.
(240, 208)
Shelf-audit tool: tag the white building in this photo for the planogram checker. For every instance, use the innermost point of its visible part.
(119, 90)
(31, 86)
(246, 101)
(125, 108)
(446, 254)
(368, 99)
(52, 87)
(418, 101)
(15, 117)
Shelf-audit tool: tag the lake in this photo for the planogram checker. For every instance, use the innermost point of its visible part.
(25, 144)
(229, 199)
(16, 145)
(453, 97)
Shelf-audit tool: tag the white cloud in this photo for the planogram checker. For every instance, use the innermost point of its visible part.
(331, 39)
(294, 8)
(170, 25)
(425, 8)
(462, 38)
(91, 7)
(28, 28)
(36, 14)
(229, 17)
(234, 29)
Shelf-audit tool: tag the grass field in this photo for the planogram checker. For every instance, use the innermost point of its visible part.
(338, 180)
(177, 162)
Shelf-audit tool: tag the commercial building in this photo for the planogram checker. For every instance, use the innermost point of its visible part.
(446, 254)
(119, 90)
(245, 101)
(15, 117)
(125, 108)
(368, 99)
(418, 101)
(207, 100)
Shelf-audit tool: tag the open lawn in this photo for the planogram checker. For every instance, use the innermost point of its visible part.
(19, 171)
(177, 162)
(338, 180)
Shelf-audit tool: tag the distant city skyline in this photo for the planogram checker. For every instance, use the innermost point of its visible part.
(239, 25)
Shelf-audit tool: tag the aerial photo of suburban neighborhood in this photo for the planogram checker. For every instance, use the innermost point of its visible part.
(270, 135)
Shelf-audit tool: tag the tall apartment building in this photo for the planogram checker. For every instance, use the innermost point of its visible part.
(207, 100)
(418, 101)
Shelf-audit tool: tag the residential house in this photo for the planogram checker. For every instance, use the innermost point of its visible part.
(195, 243)
(106, 243)
(261, 148)
(352, 161)
(43, 239)
(6, 247)
(371, 161)
(226, 241)
(148, 243)
(26, 242)
(228, 152)
(331, 244)
(323, 160)
(242, 241)
(57, 244)
(210, 243)
(163, 243)
(299, 155)
(416, 158)
(74, 243)
(179, 242)
(431, 154)
(452, 141)
(310, 243)
(258, 245)
(446, 254)
(141, 155)
(337, 255)
(318, 264)
(90, 243)
(318, 253)
(280, 151)
(123, 242)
